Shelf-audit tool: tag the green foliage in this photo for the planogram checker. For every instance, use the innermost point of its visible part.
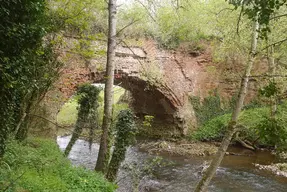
(88, 98)
(84, 20)
(28, 65)
(253, 124)
(68, 113)
(264, 9)
(78, 17)
(269, 90)
(38, 165)
(148, 119)
(152, 74)
(87, 114)
(208, 109)
(273, 132)
(125, 127)
(125, 136)
(212, 130)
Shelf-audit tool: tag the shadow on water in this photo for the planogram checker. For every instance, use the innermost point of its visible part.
(237, 173)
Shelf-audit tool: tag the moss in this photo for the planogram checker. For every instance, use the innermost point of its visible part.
(39, 165)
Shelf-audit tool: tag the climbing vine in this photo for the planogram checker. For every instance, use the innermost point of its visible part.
(87, 113)
(28, 64)
(125, 136)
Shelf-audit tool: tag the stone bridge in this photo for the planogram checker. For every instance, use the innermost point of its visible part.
(160, 81)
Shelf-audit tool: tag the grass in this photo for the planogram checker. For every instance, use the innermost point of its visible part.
(38, 165)
(69, 112)
(214, 129)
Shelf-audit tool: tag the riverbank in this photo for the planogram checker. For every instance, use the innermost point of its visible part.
(181, 173)
(179, 147)
(189, 149)
(39, 165)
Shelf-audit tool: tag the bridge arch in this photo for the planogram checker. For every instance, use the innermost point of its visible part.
(147, 99)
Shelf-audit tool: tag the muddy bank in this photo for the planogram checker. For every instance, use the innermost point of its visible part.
(179, 148)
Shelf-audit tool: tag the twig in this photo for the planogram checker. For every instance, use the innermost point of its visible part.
(20, 123)
(239, 19)
(229, 9)
(132, 22)
(278, 42)
(56, 124)
(278, 16)
(147, 9)
(269, 76)
(13, 182)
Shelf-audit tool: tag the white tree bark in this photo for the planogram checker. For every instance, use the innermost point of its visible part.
(208, 175)
(103, 156)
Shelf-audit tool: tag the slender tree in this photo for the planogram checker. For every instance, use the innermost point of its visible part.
(272, 70)
(208, 175)
(104, 152)
(259, 11)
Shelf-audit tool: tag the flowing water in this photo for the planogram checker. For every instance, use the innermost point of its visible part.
(179, 174)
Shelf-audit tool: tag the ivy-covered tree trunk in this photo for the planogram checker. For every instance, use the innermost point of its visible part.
(21, 131)
(88, 104)
(231, 129)
(126, 131)
(104, 152)
(75, 136)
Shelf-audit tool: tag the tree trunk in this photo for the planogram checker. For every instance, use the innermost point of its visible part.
(104, 152)
(208, 175)
(75, 136)
(272, 70)
(117, 158)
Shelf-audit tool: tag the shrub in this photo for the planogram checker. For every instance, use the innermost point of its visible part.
(255, 125)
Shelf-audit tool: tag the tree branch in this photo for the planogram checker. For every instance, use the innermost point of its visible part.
(12, 182)
(147, 9)
(56, 124)
(273, 44)
(239, 19)
(278, 16)
(132, 22)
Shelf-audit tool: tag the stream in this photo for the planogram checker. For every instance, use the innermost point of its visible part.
(180, 174)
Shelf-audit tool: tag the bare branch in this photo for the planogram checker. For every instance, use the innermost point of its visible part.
(12, 182)
(219, 12)
(147, 9)
(131, 23)
(239, 19)
(278, 16)
(273, 44)
(269, 76)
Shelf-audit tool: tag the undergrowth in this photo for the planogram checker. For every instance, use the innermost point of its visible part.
(38, 165)
(253, 127)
